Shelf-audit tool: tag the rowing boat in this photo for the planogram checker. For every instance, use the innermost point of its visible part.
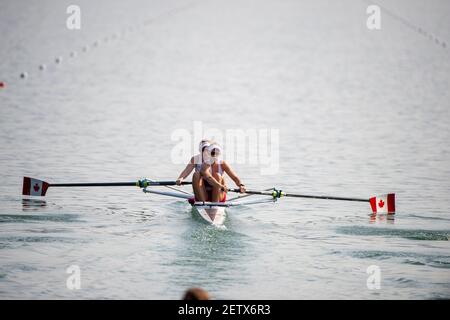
(215, 213)
(211, 212)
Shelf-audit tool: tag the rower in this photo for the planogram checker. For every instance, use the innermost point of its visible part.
(208, 180)
(195, 164)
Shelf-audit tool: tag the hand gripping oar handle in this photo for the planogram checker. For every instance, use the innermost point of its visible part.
(278, 194)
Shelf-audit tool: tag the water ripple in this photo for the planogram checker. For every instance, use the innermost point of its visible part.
(14, 218)
(412, 234)
(436, 261)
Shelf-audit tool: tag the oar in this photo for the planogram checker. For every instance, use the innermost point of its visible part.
(36, 187)
(380, 204)
(278, 194)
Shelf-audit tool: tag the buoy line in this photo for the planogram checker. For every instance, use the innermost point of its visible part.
(419, 30)
(58, 60)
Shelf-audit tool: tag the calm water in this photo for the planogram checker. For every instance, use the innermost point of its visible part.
(359, 113)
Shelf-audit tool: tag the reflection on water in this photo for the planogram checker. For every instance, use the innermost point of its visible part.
(383, 218)
(33, 204)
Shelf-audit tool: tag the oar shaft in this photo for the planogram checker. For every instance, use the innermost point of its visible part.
(94, 184)
(326, 197)
(117, 184)
(285, 194)
(167, 183)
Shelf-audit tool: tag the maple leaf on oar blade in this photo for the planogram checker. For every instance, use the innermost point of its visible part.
(36, 187)
(381, 203)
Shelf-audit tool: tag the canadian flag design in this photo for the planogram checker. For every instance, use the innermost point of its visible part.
(34, 187)
(383, 203)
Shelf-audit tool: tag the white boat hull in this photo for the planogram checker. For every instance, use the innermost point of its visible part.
(212, 214)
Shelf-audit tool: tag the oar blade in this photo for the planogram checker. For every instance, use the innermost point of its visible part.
(34, 187)
(384, 203)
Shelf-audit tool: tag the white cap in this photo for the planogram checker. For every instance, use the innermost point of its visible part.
(215, 146)
(203, 144)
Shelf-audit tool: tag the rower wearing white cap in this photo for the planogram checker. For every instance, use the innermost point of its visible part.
(195, 164)
(208, 180)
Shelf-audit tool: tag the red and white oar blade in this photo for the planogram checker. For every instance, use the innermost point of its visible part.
(34, 187)
(384, 203)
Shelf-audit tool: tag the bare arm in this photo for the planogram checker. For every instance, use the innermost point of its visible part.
(233, 176)
(186, 172)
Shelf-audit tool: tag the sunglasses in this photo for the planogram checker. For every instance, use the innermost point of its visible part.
(215, 152)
